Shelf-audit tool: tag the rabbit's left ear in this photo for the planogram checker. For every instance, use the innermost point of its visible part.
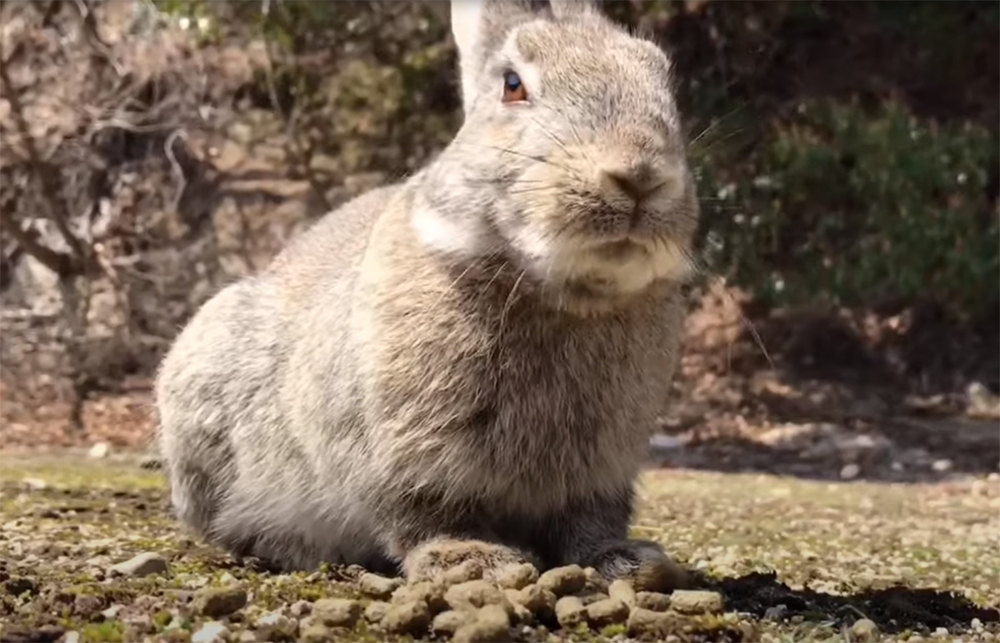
(480, 26)
(571, 8)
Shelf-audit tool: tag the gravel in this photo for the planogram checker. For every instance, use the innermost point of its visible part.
(89, 553)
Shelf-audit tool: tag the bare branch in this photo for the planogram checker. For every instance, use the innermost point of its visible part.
(57, 262)
(46, 177)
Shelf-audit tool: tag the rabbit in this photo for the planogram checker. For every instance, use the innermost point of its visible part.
(467, 364)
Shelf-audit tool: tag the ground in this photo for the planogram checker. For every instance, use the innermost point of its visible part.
(796, 560)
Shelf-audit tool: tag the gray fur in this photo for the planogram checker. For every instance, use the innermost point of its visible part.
(445, 360)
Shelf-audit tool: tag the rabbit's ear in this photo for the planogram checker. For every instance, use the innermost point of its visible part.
(480, 26)
(572, 8)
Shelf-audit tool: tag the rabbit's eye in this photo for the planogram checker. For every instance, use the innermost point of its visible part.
(513, 88)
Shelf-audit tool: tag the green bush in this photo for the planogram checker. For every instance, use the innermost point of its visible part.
(859, 207)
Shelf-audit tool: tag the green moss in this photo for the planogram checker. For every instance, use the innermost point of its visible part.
(106, 632)
(610, 631)
(161, 619)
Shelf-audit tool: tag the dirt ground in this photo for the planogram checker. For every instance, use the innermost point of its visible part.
(795, 560)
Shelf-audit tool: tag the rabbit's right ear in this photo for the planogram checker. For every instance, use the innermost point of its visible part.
(479, 27)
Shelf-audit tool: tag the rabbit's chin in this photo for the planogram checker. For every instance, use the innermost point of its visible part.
(611, 268)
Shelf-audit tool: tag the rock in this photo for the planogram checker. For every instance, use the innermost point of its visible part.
(596, 582)
(644, 623)
(275, 627)
(570, 611)
(519, 613)
(99, 450)
(316, 633)
(20, 585)
(687, 601)
(411, 618)
(942, 466)
(35, 484)
(375, 611)
(850, 471)
(71, 636)
(592, 598)
(112, 612)
(473, 595)
(563, 581)
(652, 601)
(86, 605)
(228, 579)
(538, 601)
(337, 612)
(447, 623)
(608, 611)
(462, 573)
(298, 609)
(145, 564)
(377, 586)
(429, 592)
(216, 602)
(518, 577)
(864, 630)
(623, 591)
(211, 632)
(490, 624)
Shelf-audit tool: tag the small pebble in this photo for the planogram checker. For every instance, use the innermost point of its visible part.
(607, 612)
(275, 627)
(647, 623)
(316, 633)
(570, 611)
(462, 573)
(300, 608)
(216, 602)
(473, 595)
(71, 637)
(623, 591)
(377, 586)
(490, 625)
(592, 598)
(563, 581)
(86, 605)
(537, 600)
(145, 564)
(652, 601)
(375, 611)
(596, 582)
(864, 630)
(696, 602)
(519, 576)
(112, 612)
(337, 612)
(448, 622)
(99, 450)
(850, 471)
(407, 618)
(942, 466)
(429, 592)
(228, 579)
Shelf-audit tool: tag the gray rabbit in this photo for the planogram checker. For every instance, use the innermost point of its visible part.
(467, 364)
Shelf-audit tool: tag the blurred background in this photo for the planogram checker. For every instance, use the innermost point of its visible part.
(847, 320)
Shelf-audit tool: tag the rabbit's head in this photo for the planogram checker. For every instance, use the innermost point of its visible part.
(570, 162)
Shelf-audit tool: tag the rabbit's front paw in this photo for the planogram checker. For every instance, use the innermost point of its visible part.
(642, 562)
(430, 559)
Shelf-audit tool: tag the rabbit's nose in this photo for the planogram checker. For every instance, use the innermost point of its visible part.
(636, 181)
